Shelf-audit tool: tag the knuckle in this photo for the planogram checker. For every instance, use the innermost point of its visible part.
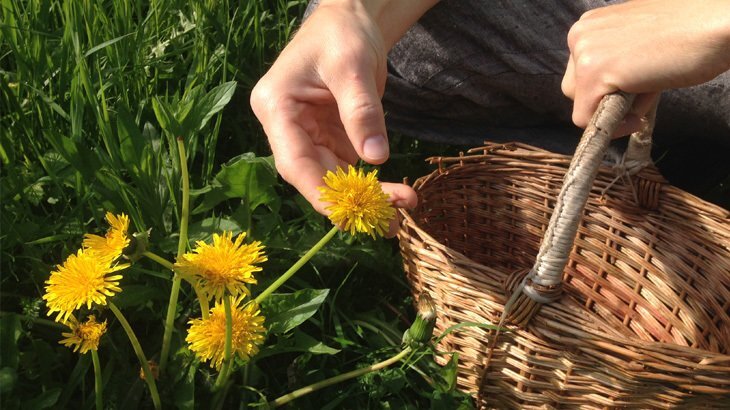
(362, 109)
(574, 35)
(585, 63)
(261, 95)
(566, 88)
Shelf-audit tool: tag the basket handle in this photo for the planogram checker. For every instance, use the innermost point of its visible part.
(543, 283)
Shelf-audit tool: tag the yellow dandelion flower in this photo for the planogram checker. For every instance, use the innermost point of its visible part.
(358, 203)
(84, 336)
(113, 243)
(223, 265)
(207, 337)
(82, 280)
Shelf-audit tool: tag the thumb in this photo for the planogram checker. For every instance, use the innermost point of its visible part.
(361, 113)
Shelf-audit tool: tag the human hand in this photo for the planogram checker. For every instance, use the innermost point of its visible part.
(644, 47)
(319, 104)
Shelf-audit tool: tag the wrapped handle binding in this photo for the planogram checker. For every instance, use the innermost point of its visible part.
(543, 283)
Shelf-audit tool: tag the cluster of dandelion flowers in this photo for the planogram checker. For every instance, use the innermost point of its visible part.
(357, 201)
(84, 336)
(83, 279)
(110, 246)
(224, 265)
(207, 337)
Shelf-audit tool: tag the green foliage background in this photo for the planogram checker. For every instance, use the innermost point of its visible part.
(92, 96)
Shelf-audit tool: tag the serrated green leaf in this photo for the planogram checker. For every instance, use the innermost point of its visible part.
(299, 342)
(202, 231)
(138, 295)
(166, 118)
(285, 311)
(449, 372)
(245, 176)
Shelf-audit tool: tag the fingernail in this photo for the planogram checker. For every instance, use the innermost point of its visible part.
(375, 148)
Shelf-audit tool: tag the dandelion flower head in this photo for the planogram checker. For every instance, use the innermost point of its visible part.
(224, 265)
(84, 336)
(207, 337)
(357, 201)
(83, 279)
(113, 243)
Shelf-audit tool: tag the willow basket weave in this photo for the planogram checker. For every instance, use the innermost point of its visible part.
(644, 318)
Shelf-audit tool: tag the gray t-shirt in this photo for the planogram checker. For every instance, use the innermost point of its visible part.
(475, 70)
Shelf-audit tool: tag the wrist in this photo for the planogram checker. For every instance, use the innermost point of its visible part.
(392, 17)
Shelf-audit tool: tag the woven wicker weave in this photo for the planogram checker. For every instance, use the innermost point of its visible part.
(644, 317)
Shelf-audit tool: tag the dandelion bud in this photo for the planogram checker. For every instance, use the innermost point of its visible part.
(421, 330)
(137, 245)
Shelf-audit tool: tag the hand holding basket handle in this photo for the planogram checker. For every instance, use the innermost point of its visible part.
(543, 283)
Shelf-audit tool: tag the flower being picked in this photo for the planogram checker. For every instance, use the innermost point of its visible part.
(207, 337)
(110, 246)
(84, 336)
(358, 203)
(84, 279)
(223, 265)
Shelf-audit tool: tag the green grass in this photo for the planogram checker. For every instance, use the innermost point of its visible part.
(93, 95)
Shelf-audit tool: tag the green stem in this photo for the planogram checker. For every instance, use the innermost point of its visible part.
(148, 376)
(159, 259)
(304, 259)
(169, 321)
(97, 380)
(228, 347)
(339, 378)
(202, 299)
(181, 246)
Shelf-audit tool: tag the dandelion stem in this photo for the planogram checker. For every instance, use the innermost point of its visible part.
(228, 347)
(169, 321)
(202, 299)
(297, 265)
(339, 378)
(183, 241)
(159, 259)
(97, 380)
(181, 246)
(148, 376)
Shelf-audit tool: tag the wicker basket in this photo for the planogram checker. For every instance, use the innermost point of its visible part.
(643, 320)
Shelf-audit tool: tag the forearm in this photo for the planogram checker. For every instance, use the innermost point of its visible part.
(393, 17)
